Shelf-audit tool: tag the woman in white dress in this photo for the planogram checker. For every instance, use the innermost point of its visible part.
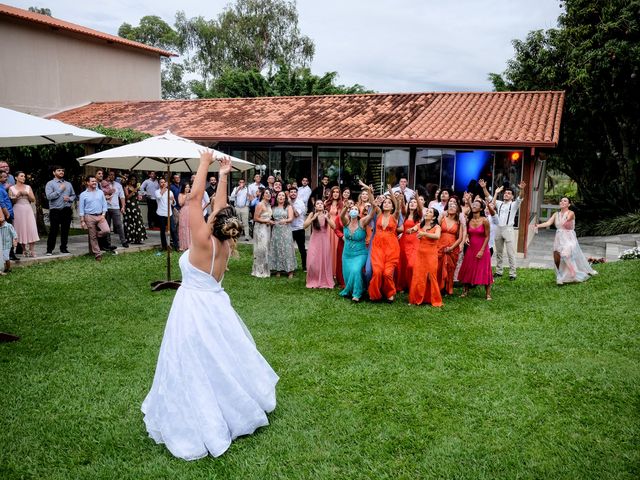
(211, 384)
(571, 264)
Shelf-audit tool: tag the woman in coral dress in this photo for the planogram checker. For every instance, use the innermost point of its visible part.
(571, 264)
(24, 219)
(319, 254)
(449, 246)
(333, 206)
(262, 222)
(476, 265)
(409, 244)
(385, 250)
(424, 283)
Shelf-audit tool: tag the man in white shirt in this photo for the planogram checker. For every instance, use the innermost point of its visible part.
(240, 195)
(506, 210)
(148, 191)
(297, 224)
(116, 208)
(402, 187)
(165, 201)
(304, 191)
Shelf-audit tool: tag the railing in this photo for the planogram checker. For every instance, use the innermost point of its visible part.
(546, 210)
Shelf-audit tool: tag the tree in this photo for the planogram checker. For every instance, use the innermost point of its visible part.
(594, 56)
(283, 82)
(248, 35)
(155, 32)
(41, 11)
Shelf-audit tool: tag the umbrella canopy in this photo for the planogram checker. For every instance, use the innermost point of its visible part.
(171, 151)
(19, 129)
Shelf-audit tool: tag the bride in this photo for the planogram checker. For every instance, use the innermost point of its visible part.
(211, 384)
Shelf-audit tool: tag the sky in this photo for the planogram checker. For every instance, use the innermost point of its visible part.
(389, 46)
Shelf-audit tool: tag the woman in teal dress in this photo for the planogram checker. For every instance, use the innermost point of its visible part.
(355, 252)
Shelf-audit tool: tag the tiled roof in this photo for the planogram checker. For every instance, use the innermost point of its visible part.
(55, 24)
(457, 119)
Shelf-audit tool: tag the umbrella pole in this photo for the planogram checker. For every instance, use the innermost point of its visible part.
(168, 283)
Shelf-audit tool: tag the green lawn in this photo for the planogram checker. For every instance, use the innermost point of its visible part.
(543, 382)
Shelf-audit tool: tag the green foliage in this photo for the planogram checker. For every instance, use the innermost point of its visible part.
(247, 35)
(628, 223)
(157, 33)
(526, 386)
(41, 11)
(284, 82)
(124, 135)
(594, 56)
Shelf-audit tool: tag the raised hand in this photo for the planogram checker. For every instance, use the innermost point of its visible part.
(225, 165)
(482, 183)
(206, 156)
(522, 185)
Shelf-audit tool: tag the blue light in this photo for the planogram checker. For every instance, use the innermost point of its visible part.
(468, 167)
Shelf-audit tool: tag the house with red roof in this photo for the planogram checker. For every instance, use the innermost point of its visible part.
(49, 65)
(437, 139)
(434, 139)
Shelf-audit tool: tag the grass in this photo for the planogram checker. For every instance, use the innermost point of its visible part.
(543, 382)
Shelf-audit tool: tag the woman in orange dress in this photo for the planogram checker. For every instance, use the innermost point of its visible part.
(449, 246)
(333, 206)
(408, 244)
(385, 249)
(424, 283)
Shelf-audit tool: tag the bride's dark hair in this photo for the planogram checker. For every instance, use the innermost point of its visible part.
(226, 226)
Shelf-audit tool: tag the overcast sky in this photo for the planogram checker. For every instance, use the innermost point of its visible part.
(385, 45)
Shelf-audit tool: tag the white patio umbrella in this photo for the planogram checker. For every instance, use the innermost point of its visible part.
(175, 153)
(19, 129)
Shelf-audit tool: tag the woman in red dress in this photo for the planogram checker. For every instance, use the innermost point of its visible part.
(449, 246)
(424, 283)
(476, 265)
(385, 249)
(408, 244)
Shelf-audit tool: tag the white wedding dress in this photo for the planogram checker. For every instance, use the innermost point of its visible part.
(211, 384)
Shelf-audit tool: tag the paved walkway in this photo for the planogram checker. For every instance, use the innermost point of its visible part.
(538, 256)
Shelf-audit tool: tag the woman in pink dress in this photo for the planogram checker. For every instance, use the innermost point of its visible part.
(476, 265)
(319, 255)
(571, 264)
(25, 220)
(184, 234)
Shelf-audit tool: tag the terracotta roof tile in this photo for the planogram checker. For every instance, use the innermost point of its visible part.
(54, 23)
(456, 119)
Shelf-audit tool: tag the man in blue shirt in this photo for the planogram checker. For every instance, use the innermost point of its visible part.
(92, 208)
(7, 207)
(61, 196)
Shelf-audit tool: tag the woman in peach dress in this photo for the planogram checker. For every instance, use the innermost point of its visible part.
(385, 249)
(449, 246)
(24, 219)
(424, 283)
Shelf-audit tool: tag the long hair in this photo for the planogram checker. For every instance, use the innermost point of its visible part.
(329, 201)
(226, 226)
(434, 219)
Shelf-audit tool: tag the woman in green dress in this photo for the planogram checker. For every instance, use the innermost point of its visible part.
(282, 256)
(355, 252)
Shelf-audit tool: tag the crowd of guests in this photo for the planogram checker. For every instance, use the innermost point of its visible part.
(376, 246)
(371, 246)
